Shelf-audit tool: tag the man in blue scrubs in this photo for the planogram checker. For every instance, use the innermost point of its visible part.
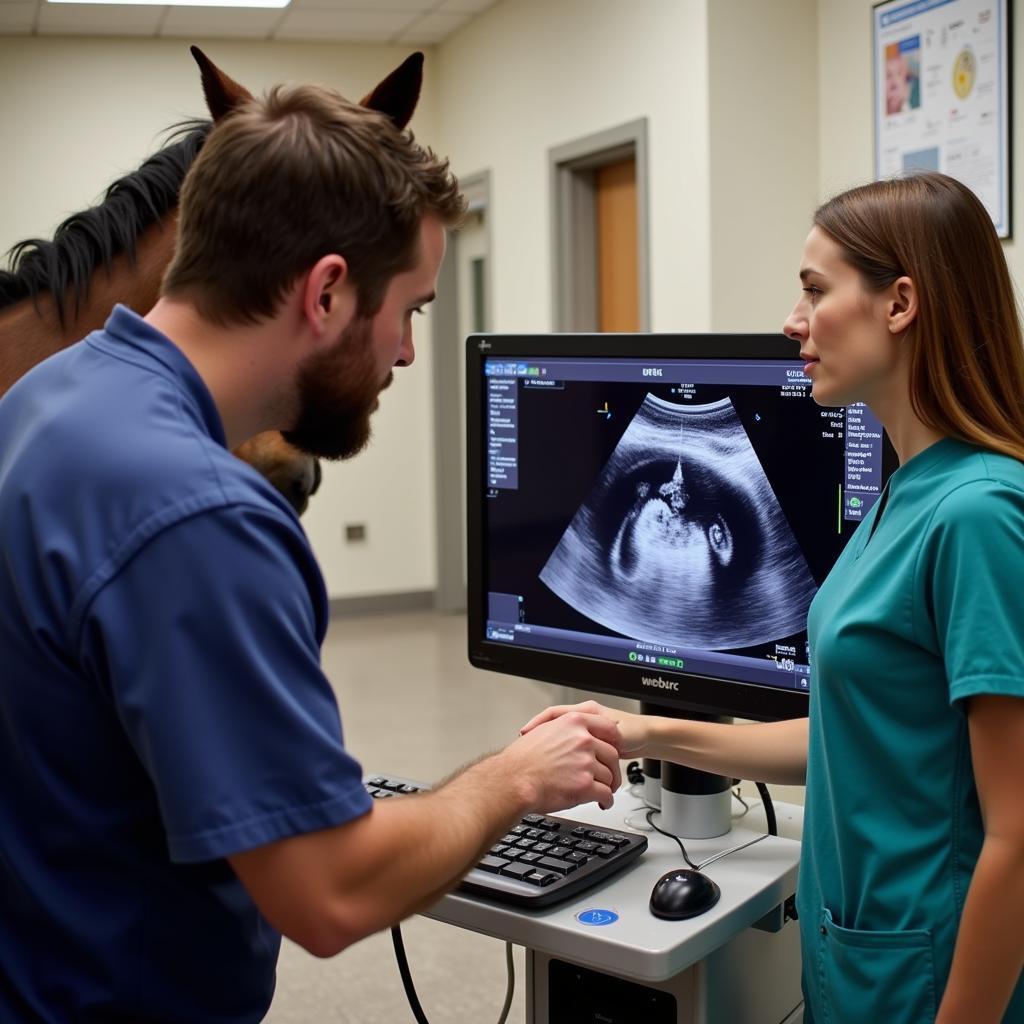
(176, 792)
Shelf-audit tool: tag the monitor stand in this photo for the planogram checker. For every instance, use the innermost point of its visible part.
(693, 804)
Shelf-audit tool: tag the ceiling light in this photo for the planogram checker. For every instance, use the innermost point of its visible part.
(181, 3)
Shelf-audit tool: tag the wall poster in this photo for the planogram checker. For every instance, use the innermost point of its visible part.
(942, 99)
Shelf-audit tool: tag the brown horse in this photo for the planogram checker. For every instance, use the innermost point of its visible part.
(58, 291)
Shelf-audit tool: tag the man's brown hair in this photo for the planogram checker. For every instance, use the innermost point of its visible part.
(296, 175)
(966, 356)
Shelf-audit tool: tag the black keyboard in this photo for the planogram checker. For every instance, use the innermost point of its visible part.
(540, 861)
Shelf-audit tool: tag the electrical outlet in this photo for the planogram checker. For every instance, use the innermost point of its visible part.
(355, 532)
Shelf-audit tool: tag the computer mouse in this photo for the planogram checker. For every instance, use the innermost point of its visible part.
(683, 893)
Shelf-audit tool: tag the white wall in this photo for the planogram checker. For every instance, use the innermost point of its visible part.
(529, 75)
(763, 80)
(80, 112)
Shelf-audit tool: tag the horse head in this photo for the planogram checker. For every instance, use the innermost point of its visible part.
(57, 292)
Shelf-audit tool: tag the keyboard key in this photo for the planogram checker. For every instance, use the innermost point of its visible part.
(525, 844)
(509, 839)
(581, 831)
(577, 858)
(586, 847)
(534, 833)
(529, 858)
(493, 864)
(519, 830)
(559, 851)
(517, 870)
(541, 847)
(498, 848)
(563, 867)
(609, 837)
(604, 850)
(541, 877)
(377, 780)
(549, 823)
(533, 819)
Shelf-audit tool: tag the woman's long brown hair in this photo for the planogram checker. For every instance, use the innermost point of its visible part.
(966, 352)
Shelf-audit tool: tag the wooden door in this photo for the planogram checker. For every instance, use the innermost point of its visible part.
(617, 270)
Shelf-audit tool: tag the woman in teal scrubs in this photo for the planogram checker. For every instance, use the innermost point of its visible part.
(911, 890)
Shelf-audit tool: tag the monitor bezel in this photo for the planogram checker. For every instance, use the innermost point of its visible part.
(708, 695)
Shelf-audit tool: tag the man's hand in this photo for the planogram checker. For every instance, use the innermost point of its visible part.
(632, 729)
(567, 759)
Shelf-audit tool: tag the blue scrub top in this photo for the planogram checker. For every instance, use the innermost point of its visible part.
(921, 611)
(162, 703)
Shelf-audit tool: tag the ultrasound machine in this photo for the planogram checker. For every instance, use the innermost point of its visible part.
(649, 517)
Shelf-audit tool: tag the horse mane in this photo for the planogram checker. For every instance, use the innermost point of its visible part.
(93, 238)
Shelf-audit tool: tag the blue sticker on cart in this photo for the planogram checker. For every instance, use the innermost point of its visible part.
(597, 917)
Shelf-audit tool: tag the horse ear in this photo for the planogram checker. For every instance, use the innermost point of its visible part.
(222, 93)
(399, 93)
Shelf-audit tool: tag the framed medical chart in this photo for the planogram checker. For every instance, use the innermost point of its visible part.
(942, 94)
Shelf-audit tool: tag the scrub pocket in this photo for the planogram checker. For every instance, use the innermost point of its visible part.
(875, 976)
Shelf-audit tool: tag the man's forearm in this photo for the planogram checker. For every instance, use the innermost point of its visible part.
(989, 953)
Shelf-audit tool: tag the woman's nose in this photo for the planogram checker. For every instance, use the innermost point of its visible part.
(795, 326)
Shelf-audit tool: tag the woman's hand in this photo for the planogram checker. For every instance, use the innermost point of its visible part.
(632, 728)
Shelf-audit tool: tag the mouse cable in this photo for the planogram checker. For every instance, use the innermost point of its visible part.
(703, 864)
(410, 988)
(671, 835)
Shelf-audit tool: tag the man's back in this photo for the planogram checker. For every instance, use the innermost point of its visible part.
(152, 590)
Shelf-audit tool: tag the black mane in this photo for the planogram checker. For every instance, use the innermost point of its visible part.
(92, 239)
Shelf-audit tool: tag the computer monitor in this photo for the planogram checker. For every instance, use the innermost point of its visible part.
(650, 516)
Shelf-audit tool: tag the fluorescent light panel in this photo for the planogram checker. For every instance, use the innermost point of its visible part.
(180, 3)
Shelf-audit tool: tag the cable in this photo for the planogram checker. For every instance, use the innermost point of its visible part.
(686, 856)
(410, 988)
(710, 860)
(403, 969)
(769, 808)
(510, 988)
(746, 806)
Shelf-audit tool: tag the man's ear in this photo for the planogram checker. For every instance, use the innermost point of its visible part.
(328, 297)
(902, 307)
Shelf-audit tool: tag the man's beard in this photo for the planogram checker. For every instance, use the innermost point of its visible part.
(337, 392)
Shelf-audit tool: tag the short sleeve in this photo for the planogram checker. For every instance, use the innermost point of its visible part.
(207, 641)
(974, 566)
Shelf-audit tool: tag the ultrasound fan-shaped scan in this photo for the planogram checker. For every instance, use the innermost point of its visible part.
(682, 540)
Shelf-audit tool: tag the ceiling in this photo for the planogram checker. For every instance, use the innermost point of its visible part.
(414, 22)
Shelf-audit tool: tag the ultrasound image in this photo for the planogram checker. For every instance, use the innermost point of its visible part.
(682, 540)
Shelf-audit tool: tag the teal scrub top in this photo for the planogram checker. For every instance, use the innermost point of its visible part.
(922, 610)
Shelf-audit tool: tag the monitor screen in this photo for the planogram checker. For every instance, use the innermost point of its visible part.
(651, 515)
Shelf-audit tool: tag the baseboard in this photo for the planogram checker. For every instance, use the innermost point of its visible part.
(382, 604)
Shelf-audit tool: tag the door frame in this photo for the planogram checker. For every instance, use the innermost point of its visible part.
(450, 595)
(574, 223)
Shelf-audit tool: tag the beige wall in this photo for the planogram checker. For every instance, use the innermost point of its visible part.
(529, 75)
(763, 78)
(80, 112)
(756, 111)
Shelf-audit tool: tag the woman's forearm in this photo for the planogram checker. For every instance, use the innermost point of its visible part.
(989, 954)
(761, 751)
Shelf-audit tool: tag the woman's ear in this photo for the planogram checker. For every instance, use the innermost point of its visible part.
(902, 306)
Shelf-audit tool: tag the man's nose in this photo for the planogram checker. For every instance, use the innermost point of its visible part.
(406, 352)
